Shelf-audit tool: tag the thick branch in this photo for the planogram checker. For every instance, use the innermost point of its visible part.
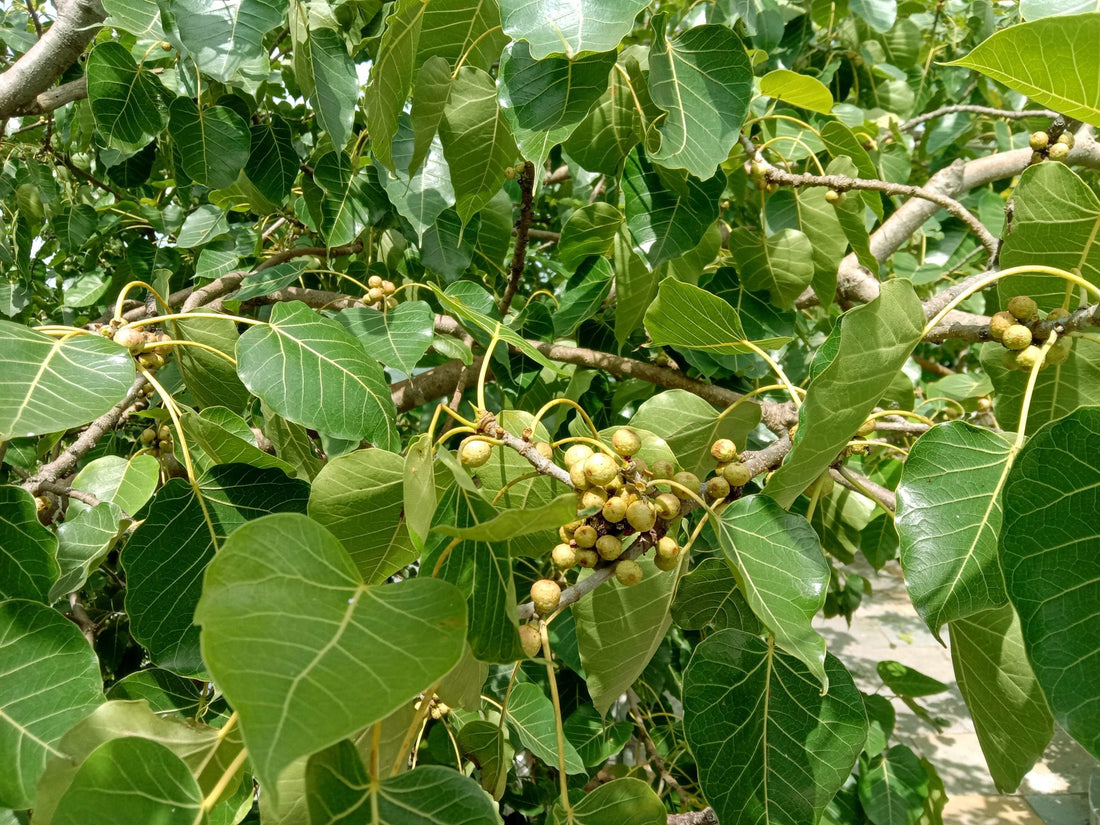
(1008, 114)
(57, 97)
(707, 816)
(430, 385)
(523, 227)
(59, 47)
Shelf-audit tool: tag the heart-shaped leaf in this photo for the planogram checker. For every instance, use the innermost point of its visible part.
(213, 143)
(398, 337)
(124, 97)
(569, 28)
(28, 551)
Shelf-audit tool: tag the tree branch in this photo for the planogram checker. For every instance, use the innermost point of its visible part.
(60, 46)
(523, 227)
(707, 816)
(1009, 114)
(57, 97)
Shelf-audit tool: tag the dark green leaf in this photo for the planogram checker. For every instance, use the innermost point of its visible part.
(28, 551)
(893, 787)
(125, 97)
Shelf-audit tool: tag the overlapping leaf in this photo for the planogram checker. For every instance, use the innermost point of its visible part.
(391, 76)
(352, 198)
(531, 716)
(224, 36)
(571, 27)
(28, 551)
(272, 162)
(129, 484)
(398, 337)
(124, 97)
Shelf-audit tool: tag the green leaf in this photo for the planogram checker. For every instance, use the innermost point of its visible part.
(424, 197)
(211, 380)
(893, 787)
(292, 444)
(53, 384)
(601, 142)
(878, 14)
(312, 371)
(708, 595)
(224, 36)
(769, 745)
(817, 219)
(1051, 572)
(331, 80)
(553, 28)
(590, 287)
(663, 222)
(797, 89)
(28, 551)
(136, 17)
(391, 76)
(54, 686)
(266, 281)
(948, 540)
(703, 80)
(477, 141)
(841, 142)
(906, 681)
(552, 93)
(338, 789)
(484, 744)
(211, 431)
(531, 716)
(619, 629)
(594, 741)
(1006, 703)
(202, 226)
(165, 558)
(611, 803)
(1062, 42)
(352, 199)
(520, 522)
(83, 541)
(383, 645)
(124, 97)
(690, 425)
(129, 484)
(272, 164)
(753, 532)
(358, 498)
(872, 342)
(419, 488)
(398, 337)
(590, 230)
(635, 287)
(781, 265)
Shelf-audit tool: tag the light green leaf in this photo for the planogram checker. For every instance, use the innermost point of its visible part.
(129, 484)
(873, 341)
(391, 76)
(292, 444)
(703, 80)
(225, 35)
(531, 716)
(770, 746)
(667, 223)
(1051, 572)
(124, 97)
(383, 645)
(211, 380)
(313, 372)
(211, 431)
(419, 488)
(272, 161)
(708, 595)
(841, 142)
(424, 197)
(55, 685)
(714, 327)
(780, 265)
(266, 281)
(569, 28)
(1062, 41)
(52, 384)
(135, 16)
(635, 286)
(202, 226)
(753, 532)
(949, 541)
(28, 551)
(797, 89)
(398, 337)
(594, 740)
(619, 629)
(512, 523)
(1006, 703)
(611, 803)
(352, 198)
(358, 498)
(817, 219)
(165, 557)
(430, 95)
(83, 541)
(690, 426)
(590, 230)
(477, 141)
(878, 14)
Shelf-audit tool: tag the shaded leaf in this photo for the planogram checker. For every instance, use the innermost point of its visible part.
(28, 551)
(124, 97)
(531, 716)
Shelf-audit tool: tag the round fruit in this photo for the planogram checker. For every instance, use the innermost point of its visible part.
(545, 593)
(391, 302)
(1028, 357)
(564, 533)
(510, 173)
(662, 469)
(641, 466)
(594, 497)
(824, 484)
(626, 442)
(577, 476)
(587, 558)
(834, 197)
(628, 572)
(688, 480)
(667, 547)
(475, 453)
(151, 360)
(148, 436)
(668, 506)
(717, 487)
(1016, 336)
(375, 294)
(866, 428)
(564, 556)
(723, 450)
(1039, 141)
(389, 287)
(374, 282)
(615, 510)
(666, 563)
(1057, 313)
(1060, 351)
(132, 339)
(600, 469)
(640, 516)
(999, 323)
(1023, 307)
(576, 454)
(1067, 139)
(41, 504)
(609, 547)
(544, 449)
(1059, 151)
(985, 403)
(164, 433)
(585, 536)
(737, 474)
(530, 639)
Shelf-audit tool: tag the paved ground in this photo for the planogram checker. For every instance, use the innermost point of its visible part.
(887, 627)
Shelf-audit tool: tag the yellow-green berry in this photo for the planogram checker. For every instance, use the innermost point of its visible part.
(1059, 151)
(564, 556)
(717, 487)
(626, 442)
(688, 480)
(662, 469)
(600, 469)
(628, 572)
(667, 547)
(593, 497)
(640, 515)
(737, 474)
(1039, 141)
(587, 558)
(585, 536)
(577, 453)
(1016, 337)
(1023, 307)
(614, 510)
(609, 547)
(530, 640)
(668, 506)
(1028, 357)
(475, 453)
(1000, 322)
(545, 593)
(723, 450)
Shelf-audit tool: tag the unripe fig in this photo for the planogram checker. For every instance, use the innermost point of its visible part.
(585, 536)
(510, 173)
(1028, 357)
(1000, 322)
(587, 558)
(717, 487)
(626, 442)
(594, 497)
(1067, 139)
(1059, 151)
(723, 450)
(1059, 353)
(668, 506)
(164, 433)
(544, 449)
(600, 469)
(148, 436)
(662, 469)
(866, 428)
(545, 593)
(1016, 337)
(737, 474)
(375, 294)
(667, 547)
(985, 403)
(576, 454)
(824, 485)
(640, 516)
(577, 476)
(564, 556)
(1058, 312)
(475, 453)
(1039, 141)
(530, 639)
(374, 282)
(666, 563)
(835, 198)
(614, 510)
(390, 302)
(41, 504)
(132, 339)
(389, 287)
(609, 547)
(688, 480)
(641, 466)
(564, 533)
(151, 360)
(1023, 307)
(628, 572)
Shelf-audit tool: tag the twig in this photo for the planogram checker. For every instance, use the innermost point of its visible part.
(523, 227)
(34, 18)
(559, 175)
(863, 485)
(651, 748)
(59, 489)
(707, 816)
(81, 618)
(543, 465)
(976, 110)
